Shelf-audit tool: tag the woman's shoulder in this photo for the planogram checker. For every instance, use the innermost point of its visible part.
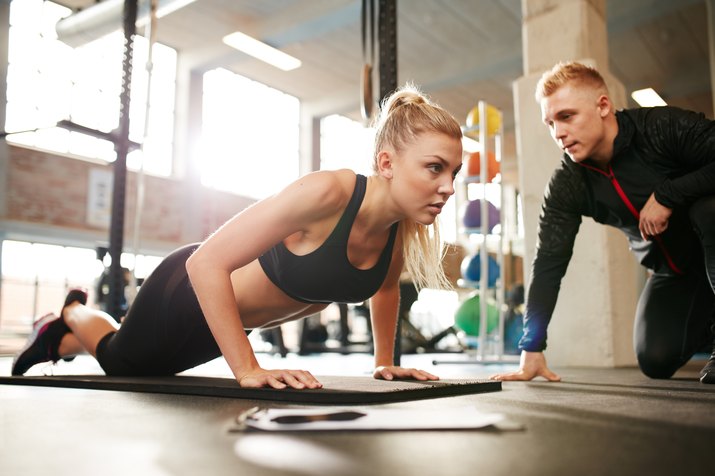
(330, 186)
(326, 190)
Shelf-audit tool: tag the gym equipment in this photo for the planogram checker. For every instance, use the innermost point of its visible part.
(315, 338)
(471, 270)
(514, 319)
(336, 390)
(513, 330)
(467, 316)
(493, 121)
(473, 164)
(367, 20)
(472, 215)
(484, 124)
(119, 187)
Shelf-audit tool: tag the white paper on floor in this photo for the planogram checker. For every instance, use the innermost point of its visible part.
(332, 418)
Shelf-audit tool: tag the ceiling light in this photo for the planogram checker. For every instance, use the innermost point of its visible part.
(648, 98)
(262, 51)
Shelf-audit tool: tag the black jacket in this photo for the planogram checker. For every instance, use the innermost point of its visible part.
(665, 150)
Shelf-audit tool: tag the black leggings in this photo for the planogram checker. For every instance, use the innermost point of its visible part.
(675, 317)
(164, 331)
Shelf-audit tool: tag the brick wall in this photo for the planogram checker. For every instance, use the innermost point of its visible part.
(50, 190)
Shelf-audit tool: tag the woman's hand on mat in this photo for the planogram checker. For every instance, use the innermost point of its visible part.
(279, 379)
(390, 372)
(532, 364)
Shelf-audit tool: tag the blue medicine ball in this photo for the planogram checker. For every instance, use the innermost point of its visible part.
(472, 270)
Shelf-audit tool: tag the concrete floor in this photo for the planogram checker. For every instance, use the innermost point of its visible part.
(595, 422)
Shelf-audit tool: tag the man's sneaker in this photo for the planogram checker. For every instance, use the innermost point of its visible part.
(707, 374)
(41, 345)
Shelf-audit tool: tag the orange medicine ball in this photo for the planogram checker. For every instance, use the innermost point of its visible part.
(473, 165)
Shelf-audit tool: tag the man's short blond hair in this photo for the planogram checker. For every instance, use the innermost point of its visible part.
(568, 72)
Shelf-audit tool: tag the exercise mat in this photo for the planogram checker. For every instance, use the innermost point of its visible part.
(336, 390)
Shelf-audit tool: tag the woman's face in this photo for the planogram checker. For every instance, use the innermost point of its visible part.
(423, 175)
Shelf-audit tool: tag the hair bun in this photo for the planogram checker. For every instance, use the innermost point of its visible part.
(408, 94)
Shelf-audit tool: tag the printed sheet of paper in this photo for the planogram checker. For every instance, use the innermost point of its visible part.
(339, 418)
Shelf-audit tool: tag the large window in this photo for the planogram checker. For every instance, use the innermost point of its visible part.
(250, 136)
(36, 278)
(345, 143)
(49, 81)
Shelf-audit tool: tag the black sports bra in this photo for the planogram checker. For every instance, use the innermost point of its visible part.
(326, 275)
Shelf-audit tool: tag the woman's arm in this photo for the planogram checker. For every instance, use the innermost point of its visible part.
(383, 314)
(239, 242)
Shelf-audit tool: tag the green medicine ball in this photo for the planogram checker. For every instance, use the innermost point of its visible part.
(467, 315)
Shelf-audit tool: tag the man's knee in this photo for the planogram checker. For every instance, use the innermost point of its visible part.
(655, 364)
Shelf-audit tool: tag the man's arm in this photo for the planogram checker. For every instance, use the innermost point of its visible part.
(558, 225)
(688, 140)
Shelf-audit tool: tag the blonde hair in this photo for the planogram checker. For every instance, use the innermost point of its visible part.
(404, 115)
(566, 72)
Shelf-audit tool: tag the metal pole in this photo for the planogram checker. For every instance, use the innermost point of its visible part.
(387, 39)
(710, 6)
(484, 222)
(116, 231)
(387, 46)
(501, 285)
(150, 33)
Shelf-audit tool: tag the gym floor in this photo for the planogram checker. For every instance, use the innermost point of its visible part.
(595, 422)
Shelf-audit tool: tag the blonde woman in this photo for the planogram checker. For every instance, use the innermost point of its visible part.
(331, 236)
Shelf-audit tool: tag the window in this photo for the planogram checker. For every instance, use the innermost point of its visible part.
(250, 136)
(36, 278)
(345, 143)
(49, 81)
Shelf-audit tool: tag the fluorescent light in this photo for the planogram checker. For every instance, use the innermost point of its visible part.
(262, 51)
(648, 98)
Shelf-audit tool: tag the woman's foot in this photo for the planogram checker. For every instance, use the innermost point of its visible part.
(41, 345)
(75, 294)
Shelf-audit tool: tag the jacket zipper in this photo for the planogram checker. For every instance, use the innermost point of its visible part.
(624, 198)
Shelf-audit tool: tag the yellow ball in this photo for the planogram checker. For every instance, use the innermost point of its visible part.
(493, 120)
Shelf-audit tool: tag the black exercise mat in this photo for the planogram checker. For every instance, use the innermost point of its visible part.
(336, 390)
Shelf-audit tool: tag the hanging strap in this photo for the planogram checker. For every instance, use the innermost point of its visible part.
(367, 20)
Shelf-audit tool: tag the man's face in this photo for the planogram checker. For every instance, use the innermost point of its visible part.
(574, 115)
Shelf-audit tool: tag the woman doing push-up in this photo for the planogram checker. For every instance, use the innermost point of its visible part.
(331, 236)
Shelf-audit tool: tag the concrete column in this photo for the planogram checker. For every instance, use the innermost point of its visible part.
(593, 321)
(309, 141)
(187, 138)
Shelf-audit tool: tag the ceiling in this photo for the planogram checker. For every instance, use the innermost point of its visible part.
(458, 51)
